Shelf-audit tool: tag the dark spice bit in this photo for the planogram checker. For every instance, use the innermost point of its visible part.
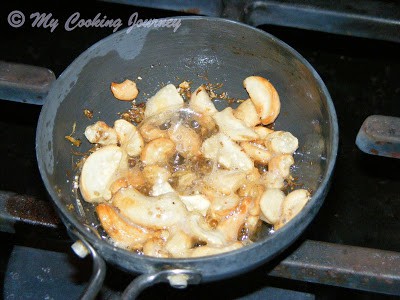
(194, 124)
(211, 90)
(213, 223)
(74, 141)
(291, 183)
(132, 162)
(88, 113)
(203, 76)
(166, 125)
(177, 159)
(262, 168)
(243, 233)
(184, 90)
(199, 244)
(135, 114)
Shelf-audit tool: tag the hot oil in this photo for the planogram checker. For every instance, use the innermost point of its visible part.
(194, 169)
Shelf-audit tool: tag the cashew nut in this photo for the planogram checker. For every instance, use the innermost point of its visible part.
(197, 203)
(129, 137)
(272, 180)
(264, 97)
(158, 151)
(152, 212)
(225, 181)
(151, 132)
(131, 177)
(202, 231)
(247, 112)
(281, 164)
(98, 171)
(125, 91)
(161, 188)
(178, 244)
(262, 131)
(231, 224)
(251, 189)
(271, 204)
(282, 142)
(236, 129)
(101, 133)
(209, 250)
(201, 102)
(292, 205)
(221, 204)
(166, 98)
(222, 149)
(185, 181)
(187, 141)
(257, 152)
(123, 233)
(155, 174)
(155, 247)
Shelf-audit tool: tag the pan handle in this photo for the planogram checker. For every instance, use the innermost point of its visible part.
(81, 248)
(177, 278)
(24, 83)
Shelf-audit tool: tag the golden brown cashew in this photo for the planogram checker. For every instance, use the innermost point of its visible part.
(151, 132)
(154, 174)
(196, 203)
(201, 102)
(123, 233)
(271, 204)
(129, 137)
(292, 205)
(98, 171)
(125, 91)
(185, 181)
(257, 152)
(187, 141)
(158, 151)
(166, 98)
(262, 132)
(178, 244)
(151, 212)
(231, 224)
(209, 250)
(222, 205)
(102, 134)
(264, 97)
(202, 231)
(225, 181)
(222, 149)
(282, 142)
(272, 180)
(251, 189)
(131, 177)
(247, 112)
(236, 129)
(155, 247)
(281, 164)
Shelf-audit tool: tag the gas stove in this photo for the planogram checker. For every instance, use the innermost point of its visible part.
(352, 247)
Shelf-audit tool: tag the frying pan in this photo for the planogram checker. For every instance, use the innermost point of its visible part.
(202, 49)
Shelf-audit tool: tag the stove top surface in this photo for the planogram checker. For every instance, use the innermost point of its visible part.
(362, 207)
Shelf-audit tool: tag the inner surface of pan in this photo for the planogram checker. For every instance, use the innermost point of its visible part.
(201, 50)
